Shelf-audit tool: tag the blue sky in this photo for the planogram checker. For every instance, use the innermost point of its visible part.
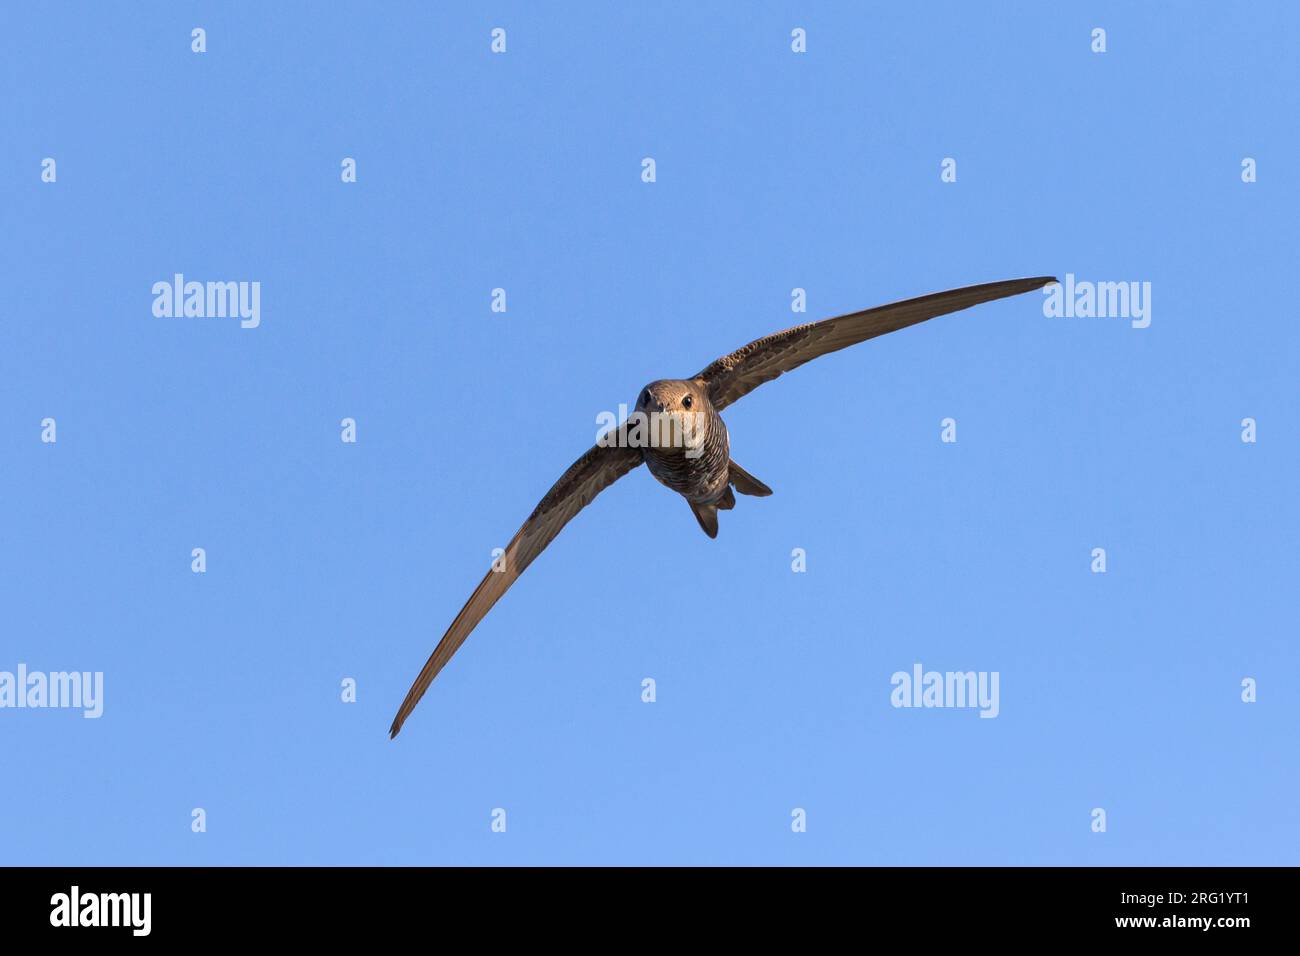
(521, 171)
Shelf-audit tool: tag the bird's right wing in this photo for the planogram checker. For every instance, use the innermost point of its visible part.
(591, 474)
(760, 361)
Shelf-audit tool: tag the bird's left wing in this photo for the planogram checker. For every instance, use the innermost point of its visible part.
(745, 369)
(591, 474)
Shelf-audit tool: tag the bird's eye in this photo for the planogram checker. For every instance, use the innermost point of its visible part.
(645, 397)
(686, 402)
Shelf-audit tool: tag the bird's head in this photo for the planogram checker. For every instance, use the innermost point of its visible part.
(677, 412)
(673, 395)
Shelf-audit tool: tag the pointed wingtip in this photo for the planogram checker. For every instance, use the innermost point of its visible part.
(1022, 286)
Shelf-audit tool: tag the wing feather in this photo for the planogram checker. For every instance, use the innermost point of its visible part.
(591, 474)
(739, 373)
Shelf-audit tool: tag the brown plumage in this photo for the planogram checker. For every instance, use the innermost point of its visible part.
(699, 465)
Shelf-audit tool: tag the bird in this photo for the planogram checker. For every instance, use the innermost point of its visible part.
(677, 432)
